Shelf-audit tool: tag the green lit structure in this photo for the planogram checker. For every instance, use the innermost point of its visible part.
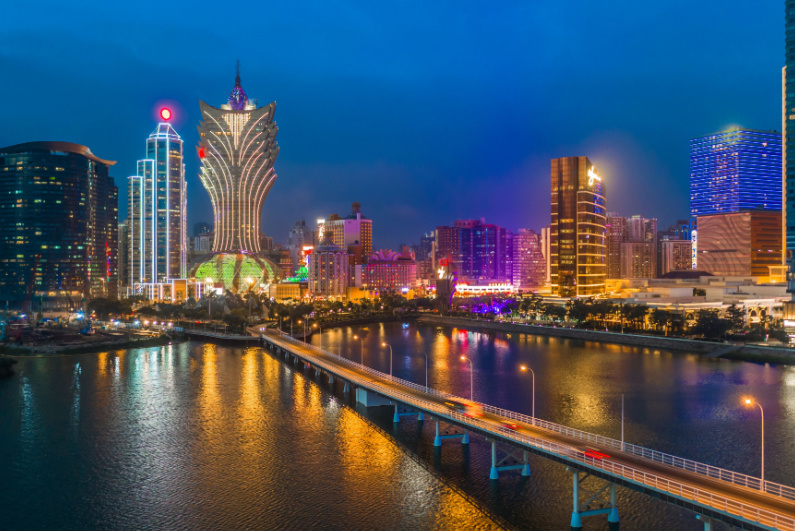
(234, 270)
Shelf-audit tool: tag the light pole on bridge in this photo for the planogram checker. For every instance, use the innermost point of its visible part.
(385, 344)
(471, 378)
(752, 402)
(362, 349)
(526, 368)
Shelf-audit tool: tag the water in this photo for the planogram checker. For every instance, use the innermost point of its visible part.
(201, 436)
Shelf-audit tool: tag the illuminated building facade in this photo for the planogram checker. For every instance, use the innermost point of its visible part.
(353, 230)
(740, 243)
(58, 225)
(529, 269)
(388, 271)
(328, 271)
(478, 251)
(157, 208)
(616, 227)
(578, 228)
(237, 148)
(738, 169)
(788, 121)
(675, 255)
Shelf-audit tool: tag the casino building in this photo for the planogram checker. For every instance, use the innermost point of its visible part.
(237, 147)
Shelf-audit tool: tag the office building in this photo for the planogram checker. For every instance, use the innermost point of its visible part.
(639, 248)
(529, 268)
(738, 169)
(616, 227)
(156, 214)
(680, 231)
(355, 229)
(675, 255)
(546, 250)
(300, 240)
(388, 271)
(740, 243)
(124, 256)
(237, 148)
(202, 227)
(578, 228)
(328, 271)
(478, 251)
(58, 225)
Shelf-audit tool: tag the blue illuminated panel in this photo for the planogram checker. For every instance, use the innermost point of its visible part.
(739, 169)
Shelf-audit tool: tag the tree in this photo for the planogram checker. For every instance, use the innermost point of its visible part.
(710, 325)
(735, 316)
(699, 292)
(578, 310)
(554, 311)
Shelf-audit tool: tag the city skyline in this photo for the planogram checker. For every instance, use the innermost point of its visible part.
(377, 152)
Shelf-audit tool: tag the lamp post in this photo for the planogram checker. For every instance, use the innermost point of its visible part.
(525, 368)
(362, 349)
(209, 298)
(471, 378)
(319, 333)
(750, 402)
(426, 371)
(384, 344)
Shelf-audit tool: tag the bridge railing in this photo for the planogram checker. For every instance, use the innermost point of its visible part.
(736, 478)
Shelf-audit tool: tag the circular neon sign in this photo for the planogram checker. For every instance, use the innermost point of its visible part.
(165, 114)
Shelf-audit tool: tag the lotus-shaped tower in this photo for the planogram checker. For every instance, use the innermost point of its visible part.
(237, 148)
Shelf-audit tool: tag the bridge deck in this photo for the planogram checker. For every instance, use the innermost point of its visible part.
(735, 495)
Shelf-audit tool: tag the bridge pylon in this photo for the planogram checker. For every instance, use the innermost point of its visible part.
(497, 465)
(581, 510)
(437, 440)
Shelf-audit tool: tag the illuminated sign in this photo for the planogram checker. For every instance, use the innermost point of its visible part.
(592, 176)
(788, 323)
(441, 272)
(165, 114)
(694, 247)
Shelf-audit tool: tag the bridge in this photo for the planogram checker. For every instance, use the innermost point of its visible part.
(712, 493)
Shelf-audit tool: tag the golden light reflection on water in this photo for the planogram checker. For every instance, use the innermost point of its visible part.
(209, 397)
(102, 366)
(367, 457)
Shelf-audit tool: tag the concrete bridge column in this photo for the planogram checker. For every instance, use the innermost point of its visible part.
(612, 516)
(576, 519)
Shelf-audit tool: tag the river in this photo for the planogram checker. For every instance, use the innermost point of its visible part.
(196, 435)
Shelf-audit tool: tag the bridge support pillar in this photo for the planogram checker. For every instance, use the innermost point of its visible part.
(494, 473)
(437, 441)
(612, 516)
(317, 373)
(330, 378)
(346, 388)
(707, 522)
(576, 519)
(526, 464)
(398, 414)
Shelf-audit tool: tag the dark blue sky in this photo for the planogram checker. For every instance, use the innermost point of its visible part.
(424, 112)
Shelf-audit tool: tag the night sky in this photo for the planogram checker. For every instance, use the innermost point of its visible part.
(425, 112)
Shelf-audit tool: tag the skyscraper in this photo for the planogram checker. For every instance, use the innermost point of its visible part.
(352, 230)
(529, 264)
(157, 239)
(616, 228)
(735, 170)
(237, 148)
(788, 121)
(478, 251)
(639, 249)
(577, 234)
(58, 224)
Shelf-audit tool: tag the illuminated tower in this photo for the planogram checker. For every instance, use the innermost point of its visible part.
(578, 229)
(237, 147)
(157, 235)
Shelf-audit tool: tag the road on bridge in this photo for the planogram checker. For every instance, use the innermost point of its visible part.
(738, 493)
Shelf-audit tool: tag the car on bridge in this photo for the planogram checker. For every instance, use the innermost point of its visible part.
(590, 452)
(468, 409)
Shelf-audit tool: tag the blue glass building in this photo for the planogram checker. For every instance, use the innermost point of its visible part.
(738, 169)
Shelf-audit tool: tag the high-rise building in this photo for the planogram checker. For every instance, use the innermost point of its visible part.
(788, 121)
(124, 256)
(677, 232)
(675, 255)
(237, 148)
(157, 210)
(58, 225)
(529, 264)
(354, 229)
(478, 251)
(578, 228)
(328, 271)
(616, 228)
(737, 169)
(202, 227)
(546, 250)
(639, 248)
(301, 236)
(388, 271)
(740, 243)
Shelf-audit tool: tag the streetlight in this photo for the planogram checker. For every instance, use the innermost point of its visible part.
(471, 378)
(319, 333)
(426, 371)
(749, 402)
(362, 349)
(525, 368)
(384, 344)
(209, 298)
